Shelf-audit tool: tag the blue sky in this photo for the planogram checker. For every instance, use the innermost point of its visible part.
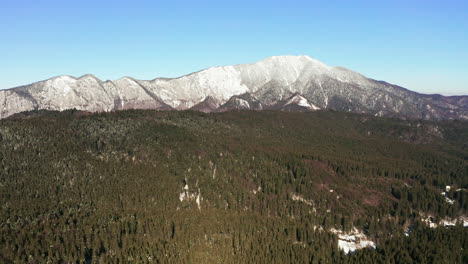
(421, 45)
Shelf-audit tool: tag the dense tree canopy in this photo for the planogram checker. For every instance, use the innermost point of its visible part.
(239, 187)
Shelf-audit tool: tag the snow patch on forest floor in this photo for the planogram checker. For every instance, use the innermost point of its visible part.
(352, 240)
(447, 199)
(187, 196)
(255, 191)
(430, 221)
(308, 202)
(453, 222)
(299, 198)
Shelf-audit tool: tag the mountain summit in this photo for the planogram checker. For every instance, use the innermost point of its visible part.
(280, 82)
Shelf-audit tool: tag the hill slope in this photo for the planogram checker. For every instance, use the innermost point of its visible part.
(233, 187)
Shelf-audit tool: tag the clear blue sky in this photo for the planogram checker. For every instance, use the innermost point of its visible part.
(421, 45)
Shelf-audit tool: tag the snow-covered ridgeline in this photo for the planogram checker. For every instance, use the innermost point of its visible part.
(268, 82)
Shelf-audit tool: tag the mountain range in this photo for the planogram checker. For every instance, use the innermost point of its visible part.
(288, 83)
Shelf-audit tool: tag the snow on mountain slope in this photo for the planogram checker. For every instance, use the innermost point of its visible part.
(218, 82)
(301, 101)
(260, 85)
(208, 105)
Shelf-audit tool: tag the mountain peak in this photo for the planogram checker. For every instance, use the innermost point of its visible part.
(292, 59)
(89, 76)
(288, 57)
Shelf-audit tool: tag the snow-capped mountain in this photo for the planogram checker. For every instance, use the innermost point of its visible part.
(292, 83)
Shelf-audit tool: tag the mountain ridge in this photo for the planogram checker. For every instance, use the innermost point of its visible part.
(267, 81)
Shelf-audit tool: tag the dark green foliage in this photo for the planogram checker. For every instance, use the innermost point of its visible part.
(78, 187)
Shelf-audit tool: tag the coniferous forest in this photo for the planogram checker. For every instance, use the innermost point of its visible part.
(142, 186)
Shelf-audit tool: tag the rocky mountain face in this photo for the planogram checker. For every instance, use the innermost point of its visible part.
(289, 83)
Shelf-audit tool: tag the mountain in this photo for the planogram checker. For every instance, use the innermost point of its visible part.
(262, 85)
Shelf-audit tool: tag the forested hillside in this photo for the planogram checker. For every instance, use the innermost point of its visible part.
(141, 186)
